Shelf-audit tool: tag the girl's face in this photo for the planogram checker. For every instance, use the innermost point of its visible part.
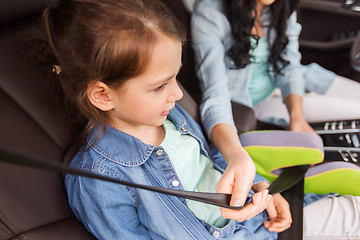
(145, 101)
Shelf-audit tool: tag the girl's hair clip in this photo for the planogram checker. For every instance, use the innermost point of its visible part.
(57, 69)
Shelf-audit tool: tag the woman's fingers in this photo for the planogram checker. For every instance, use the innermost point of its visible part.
(237, 181)
(239, 193)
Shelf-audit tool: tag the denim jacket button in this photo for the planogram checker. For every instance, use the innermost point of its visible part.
(216, 234)
(160, 152)
(184, 129)
(175, 183)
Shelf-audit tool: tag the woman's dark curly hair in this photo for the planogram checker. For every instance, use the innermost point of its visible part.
(241, 18)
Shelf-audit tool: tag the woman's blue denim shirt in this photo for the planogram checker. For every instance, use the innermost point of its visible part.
(112, 211)
(221, 82)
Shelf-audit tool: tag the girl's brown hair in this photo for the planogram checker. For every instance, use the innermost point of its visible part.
(102, 40)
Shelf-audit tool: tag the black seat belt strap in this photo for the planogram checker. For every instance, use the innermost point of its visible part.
(217, 199)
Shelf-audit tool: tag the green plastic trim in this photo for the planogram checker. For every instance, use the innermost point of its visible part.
(270, 158)
(343, 181)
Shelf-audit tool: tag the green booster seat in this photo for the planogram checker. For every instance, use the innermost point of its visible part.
(274, 150)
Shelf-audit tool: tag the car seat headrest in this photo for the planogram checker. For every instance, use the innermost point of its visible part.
(17, 10)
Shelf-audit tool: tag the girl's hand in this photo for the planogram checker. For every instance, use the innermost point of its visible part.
(259, 202)
(279, 213)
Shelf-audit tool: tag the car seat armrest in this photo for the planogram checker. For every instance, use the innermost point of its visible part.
(274, 150)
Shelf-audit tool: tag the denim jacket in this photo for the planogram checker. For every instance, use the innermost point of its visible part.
(221, 83)
(112, 211)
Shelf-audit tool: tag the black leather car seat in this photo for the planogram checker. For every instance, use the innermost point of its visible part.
(33, 203)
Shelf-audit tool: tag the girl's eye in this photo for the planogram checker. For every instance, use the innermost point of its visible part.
(158, 89)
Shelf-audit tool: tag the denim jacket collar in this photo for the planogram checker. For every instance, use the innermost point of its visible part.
(121, 149)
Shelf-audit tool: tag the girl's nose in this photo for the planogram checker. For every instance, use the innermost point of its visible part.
(176, 93)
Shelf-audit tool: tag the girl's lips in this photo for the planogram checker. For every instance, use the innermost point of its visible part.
(165, 113)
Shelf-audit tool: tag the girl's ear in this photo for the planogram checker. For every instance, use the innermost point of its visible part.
(99, 96)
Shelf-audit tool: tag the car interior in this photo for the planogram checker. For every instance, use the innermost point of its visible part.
(33, 203)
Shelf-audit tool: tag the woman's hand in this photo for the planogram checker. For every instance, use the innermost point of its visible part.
(237, 179)
(240, 172)
(239, 175)
(233, 182)
(278, 210)
(298, 123)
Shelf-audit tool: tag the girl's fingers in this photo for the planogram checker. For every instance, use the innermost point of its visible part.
(239, 215)
(278, 225)
(280, 215)
(258, 204)
(261, 201)
(271, 210)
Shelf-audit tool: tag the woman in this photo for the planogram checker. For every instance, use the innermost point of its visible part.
(246, 51)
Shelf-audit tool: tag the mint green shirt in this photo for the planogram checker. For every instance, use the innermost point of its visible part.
(195, 171)
(260, 85)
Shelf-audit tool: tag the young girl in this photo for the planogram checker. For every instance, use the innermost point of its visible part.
(117, 62)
